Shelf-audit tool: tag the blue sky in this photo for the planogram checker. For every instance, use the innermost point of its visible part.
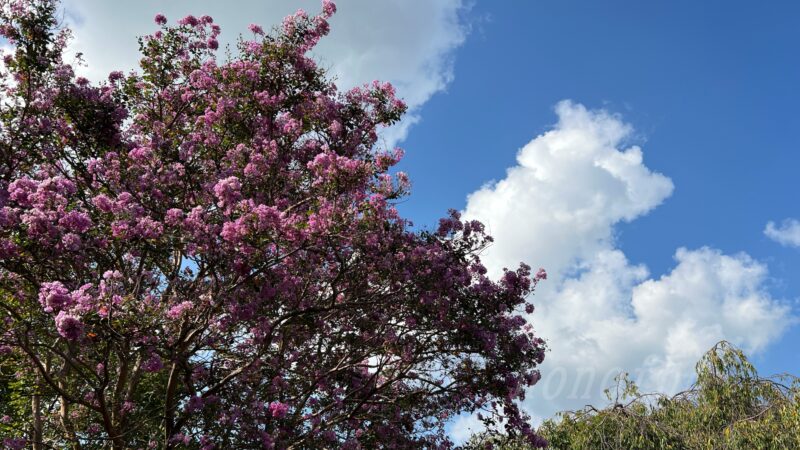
(710, 87)
(637, 150)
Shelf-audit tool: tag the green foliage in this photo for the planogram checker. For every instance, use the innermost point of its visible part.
(729, 407)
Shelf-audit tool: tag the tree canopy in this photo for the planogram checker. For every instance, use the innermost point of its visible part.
(206, 253)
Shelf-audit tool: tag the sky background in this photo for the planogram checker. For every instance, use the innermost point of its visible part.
(636, 150)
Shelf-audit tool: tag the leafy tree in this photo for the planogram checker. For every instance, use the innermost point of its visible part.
(206, 254)
(729, 407)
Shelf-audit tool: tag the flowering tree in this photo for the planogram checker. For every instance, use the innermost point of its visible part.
(206, 254)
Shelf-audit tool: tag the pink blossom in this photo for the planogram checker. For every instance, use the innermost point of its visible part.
(328, 8)
(76, 221)
(103, 203)
(69, 326)
(173, 217)
(227, 191)
(178, 310)
(21, 190)
(147, 228)
(189, 20)
(53, 296)
(278, 409)
(71, 241)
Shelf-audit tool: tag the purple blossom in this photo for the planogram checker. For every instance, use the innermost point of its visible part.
(153, 363)
(76, 221)
(69, 326)
(228, 191)
(195, 403)
(189, 20)
(71, 241)
(53, 296)
(103, 203)
(278, 409)
(328, 8)
(147, 228)
(173, 217)
(178, 310)
(15, 443)
(21, 190)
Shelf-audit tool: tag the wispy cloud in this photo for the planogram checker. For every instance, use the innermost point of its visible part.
(787, 233)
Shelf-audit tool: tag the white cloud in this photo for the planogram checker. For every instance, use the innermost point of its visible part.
(787, 233)
(557, 207)
(407, 42)
(601, 314)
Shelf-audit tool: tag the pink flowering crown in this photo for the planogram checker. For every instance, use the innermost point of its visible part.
(207, 252)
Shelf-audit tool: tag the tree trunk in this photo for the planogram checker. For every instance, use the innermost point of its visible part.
(66, 424)
(36, 410)
(63, 411)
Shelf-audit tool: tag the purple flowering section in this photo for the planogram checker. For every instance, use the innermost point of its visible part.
(206, 253)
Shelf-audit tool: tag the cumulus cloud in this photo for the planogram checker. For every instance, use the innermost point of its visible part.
(787, 233)
(407, 42)
(613, 318)
(558, 205)
(558, 208)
